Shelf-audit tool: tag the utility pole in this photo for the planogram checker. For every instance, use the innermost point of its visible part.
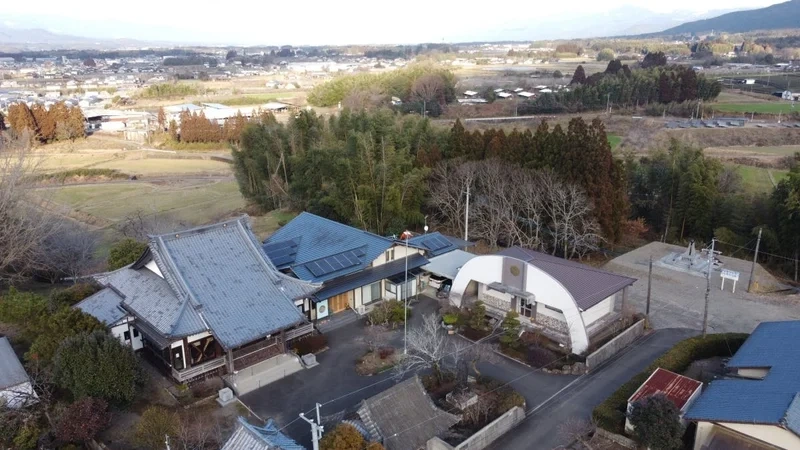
(755, 259)
(466, 218)
(316, 428)
(708, 286)
(649, 284)
(405, 303)
(608, 103)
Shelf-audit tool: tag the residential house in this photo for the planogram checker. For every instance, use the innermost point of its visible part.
(445, 255)
(680, 390)
(758, 406)
(247, 436)
(568, 301)
(356, 268)
(404, 417)
(205, 300)
(16, 389)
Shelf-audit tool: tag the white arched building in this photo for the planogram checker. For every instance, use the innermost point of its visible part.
(568, 301)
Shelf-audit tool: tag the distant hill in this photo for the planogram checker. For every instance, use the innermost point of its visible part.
(775, 17)
(17, 39)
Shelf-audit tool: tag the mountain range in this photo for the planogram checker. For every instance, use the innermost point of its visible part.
(775, 17)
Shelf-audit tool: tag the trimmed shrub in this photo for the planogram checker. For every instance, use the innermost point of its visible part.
(125, 252)
(385, 352)
(343, 437)
(389, 312)
(310, 344)
(74, 293)
(611, 413)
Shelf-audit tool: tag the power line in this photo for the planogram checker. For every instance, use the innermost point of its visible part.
(759, 252)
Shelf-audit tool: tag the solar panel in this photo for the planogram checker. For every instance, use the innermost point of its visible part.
(437, 243)
(335, 263)
(281, 253)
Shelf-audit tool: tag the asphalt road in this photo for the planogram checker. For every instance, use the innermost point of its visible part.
(541, 429)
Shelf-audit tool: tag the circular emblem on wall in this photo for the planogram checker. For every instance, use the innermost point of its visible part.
(321, 309)
(514, 271)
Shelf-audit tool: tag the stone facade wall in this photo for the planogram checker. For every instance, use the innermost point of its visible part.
(615, 345)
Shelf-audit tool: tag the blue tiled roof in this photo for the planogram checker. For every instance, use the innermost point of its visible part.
(319, 249)
(772, 400)
(251, 437)
(104, 305)
(436, 244)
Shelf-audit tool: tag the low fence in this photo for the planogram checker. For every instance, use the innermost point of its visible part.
(616, 438)
(485, 435)
(615, 345)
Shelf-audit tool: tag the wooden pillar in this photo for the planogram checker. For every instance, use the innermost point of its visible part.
(282, 340)
(187, 354)
(230, 361)
(624, 298)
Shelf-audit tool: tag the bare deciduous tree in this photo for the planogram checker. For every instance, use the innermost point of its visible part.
(576, 429)
(69, 253)
(25, 220)
(449, 182)
(428, 347)
(140, 224)
(199, 431)
(428, 88)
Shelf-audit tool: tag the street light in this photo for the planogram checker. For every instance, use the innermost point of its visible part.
(405, 301)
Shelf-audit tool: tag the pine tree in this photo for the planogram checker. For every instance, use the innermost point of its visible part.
(162, 119)
(173, 130)
(579, 77)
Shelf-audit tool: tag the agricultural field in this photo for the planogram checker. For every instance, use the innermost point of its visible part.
(614, 140)
(758, 180)
(785, 107)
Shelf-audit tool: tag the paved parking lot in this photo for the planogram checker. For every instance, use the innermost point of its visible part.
(678, 298)
(336, 385)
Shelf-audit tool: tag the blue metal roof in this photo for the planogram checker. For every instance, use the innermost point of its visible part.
(371, 275)
(772, 400)
(436, 244)
(319, 249)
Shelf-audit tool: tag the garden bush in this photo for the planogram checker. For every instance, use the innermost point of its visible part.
(83, 420)
(611, 413)
(310, 344)
(74, 294)
(155, 423)
(541, 357)
(343, 437)
(389, 312)
(385, 352)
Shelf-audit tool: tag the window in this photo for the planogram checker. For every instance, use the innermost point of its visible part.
(390, 255)
(554, 309)
(135, 333)
(127, 335)
(371, 293)
(391, 287)
(527, 307)
(301, 305)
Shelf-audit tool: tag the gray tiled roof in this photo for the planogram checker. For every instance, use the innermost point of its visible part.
(216, 278)
(11, 371)
(405, 410)
(222, 276)
(315, 238)
(587, 285)
(250, 437)
(104, 305)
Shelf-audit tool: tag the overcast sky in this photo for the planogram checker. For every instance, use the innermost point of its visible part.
(277, 22)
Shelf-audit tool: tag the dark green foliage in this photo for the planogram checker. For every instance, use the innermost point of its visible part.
(155, 424)
(785, 202)
(388, 312)
(579, 77)
(98, 365)
(74, 294)
(79, 174)
(654, 60)
(477, 316)
(611, 413)
(83, 420)
(511, 328)
(310, 344)
(125, 252)
(656, 422)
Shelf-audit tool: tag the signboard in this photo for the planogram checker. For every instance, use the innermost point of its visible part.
(727, 274)
(322, 309)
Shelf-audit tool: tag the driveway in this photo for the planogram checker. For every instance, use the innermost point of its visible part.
(336, 385)
(541, 429)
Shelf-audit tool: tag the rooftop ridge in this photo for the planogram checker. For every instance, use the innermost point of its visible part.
(346, 225)
(199, 229)
(567, 263)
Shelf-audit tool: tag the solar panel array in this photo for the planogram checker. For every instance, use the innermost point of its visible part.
(335, 263)
(435, 243)
(281, 253)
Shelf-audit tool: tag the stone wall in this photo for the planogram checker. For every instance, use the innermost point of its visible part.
(485, 435)
(613, 346)
(616, 438)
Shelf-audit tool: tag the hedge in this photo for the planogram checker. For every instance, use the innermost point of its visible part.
(610, 414)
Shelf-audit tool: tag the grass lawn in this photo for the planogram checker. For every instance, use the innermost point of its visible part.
(759, 108)
(265, 225)
(193, 204)
(756, 179)
(155, 166)
(779, 150)
(253, 99)
(614, 140)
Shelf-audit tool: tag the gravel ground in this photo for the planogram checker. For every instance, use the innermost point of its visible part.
(678, 298)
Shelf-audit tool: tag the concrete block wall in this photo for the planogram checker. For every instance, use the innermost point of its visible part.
(615, 345)
(485, 435)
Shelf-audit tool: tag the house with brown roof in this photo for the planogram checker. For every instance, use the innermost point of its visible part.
(682, 391)
(568, 301)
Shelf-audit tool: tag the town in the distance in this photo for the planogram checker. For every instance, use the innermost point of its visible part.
(547, 227)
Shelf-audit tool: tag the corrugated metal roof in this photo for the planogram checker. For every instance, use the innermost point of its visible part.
(371, 275)
(250, 437)
(677, 388)
(103, 305)
(221, 274)
(11, 371)
(447, 265)
(316, 238)
(771, 400)
(404, 408)
(587, 285)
